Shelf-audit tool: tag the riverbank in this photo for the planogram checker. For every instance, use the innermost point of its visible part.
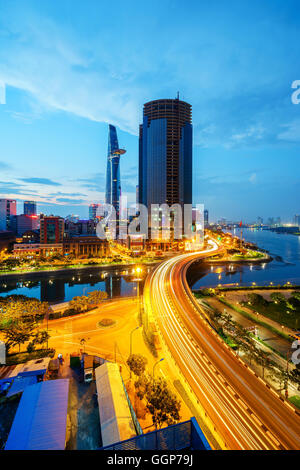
(74, 269)
(265, 258)
(236, 300)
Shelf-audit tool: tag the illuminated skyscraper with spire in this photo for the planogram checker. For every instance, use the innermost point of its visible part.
(113, 180)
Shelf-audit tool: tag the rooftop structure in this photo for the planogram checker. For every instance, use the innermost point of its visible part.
(115, 416)
(40, 420)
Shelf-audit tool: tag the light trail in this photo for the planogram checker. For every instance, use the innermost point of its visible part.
(245, 412)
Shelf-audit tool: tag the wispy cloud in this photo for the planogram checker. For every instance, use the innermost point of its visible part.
(96, 75)
(291, 131)
(68, 200)
(43, 181)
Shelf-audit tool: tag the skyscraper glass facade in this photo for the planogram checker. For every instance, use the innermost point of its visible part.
(113, 181)
(29, 207)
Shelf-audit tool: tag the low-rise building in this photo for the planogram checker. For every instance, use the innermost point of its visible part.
(51, 230)
(41, 419)
(116, 420)
(86, 246)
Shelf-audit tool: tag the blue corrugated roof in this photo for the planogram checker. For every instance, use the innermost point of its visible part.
(40, 421)
(20, 383)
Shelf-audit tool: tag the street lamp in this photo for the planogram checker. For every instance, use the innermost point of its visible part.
(153, 371)
(131, 333)
(138, 270)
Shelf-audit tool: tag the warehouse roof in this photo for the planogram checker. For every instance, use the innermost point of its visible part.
(40, 421)
(115, 416)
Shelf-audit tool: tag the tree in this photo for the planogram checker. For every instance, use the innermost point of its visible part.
(137, 363)
(278, 297)
(16, 307)
(263, 359)
(280, 375)
(96, 297)
(160, 401)
(227, 320)
(296, 295)
(256, 299)
(18, 333)
(79, 303)
(295, 376)
(41, 337)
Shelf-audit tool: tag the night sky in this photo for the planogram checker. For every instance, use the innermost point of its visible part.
(71, 67)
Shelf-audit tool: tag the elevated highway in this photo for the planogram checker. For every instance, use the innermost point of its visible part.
(247, 414)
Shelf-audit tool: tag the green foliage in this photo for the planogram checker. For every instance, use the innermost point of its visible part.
(96, 297)
(296, 295)
(41, 337)
(19, 358)
(278, 297)
(24, 308)
(18, 333)
(160, 401)
(137, 364)
(83, 303)
(295, 376)
(256, 299)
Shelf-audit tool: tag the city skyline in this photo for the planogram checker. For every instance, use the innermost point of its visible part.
(245, 154)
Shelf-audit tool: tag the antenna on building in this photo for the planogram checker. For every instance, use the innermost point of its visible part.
(177, 95)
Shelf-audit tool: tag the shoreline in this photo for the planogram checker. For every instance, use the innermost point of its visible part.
(265, 259)
(74, 269)
(71, 270)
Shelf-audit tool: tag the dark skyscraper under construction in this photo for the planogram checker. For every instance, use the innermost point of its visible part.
(165, 153)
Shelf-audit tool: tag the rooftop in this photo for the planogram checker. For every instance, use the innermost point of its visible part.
(40, 420)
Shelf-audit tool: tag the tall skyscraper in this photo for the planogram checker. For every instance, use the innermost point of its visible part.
(165, 153)
(205, 218)
(8, 208)
(113, 180)
(29, 207)
(297, 220)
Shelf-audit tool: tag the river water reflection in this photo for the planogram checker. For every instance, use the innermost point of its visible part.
(54, 287)
(285, 250)
(285, 267)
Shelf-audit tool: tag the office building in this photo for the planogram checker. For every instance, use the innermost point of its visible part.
(113, 180)
(297, 220)
(260, 221)
(94, 212)
(206, 223)
(22, 223)
(137, 194)
(8, 208)
(29, 207)
(165, 153)
(81, 227)
(51, 230)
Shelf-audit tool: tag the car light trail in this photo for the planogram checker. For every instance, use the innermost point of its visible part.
(245, 412)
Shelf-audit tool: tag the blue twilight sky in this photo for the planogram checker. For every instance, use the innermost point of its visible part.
(70, 67)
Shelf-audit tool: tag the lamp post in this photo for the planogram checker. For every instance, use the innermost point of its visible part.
(131, 333)
(138, 270)
(153, 371)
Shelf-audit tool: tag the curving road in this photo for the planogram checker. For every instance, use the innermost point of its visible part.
(245, 412)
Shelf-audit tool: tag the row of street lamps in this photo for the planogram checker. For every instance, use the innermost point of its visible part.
(138, 270)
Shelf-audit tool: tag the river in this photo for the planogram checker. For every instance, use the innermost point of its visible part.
(54, 287)
(285, 267)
